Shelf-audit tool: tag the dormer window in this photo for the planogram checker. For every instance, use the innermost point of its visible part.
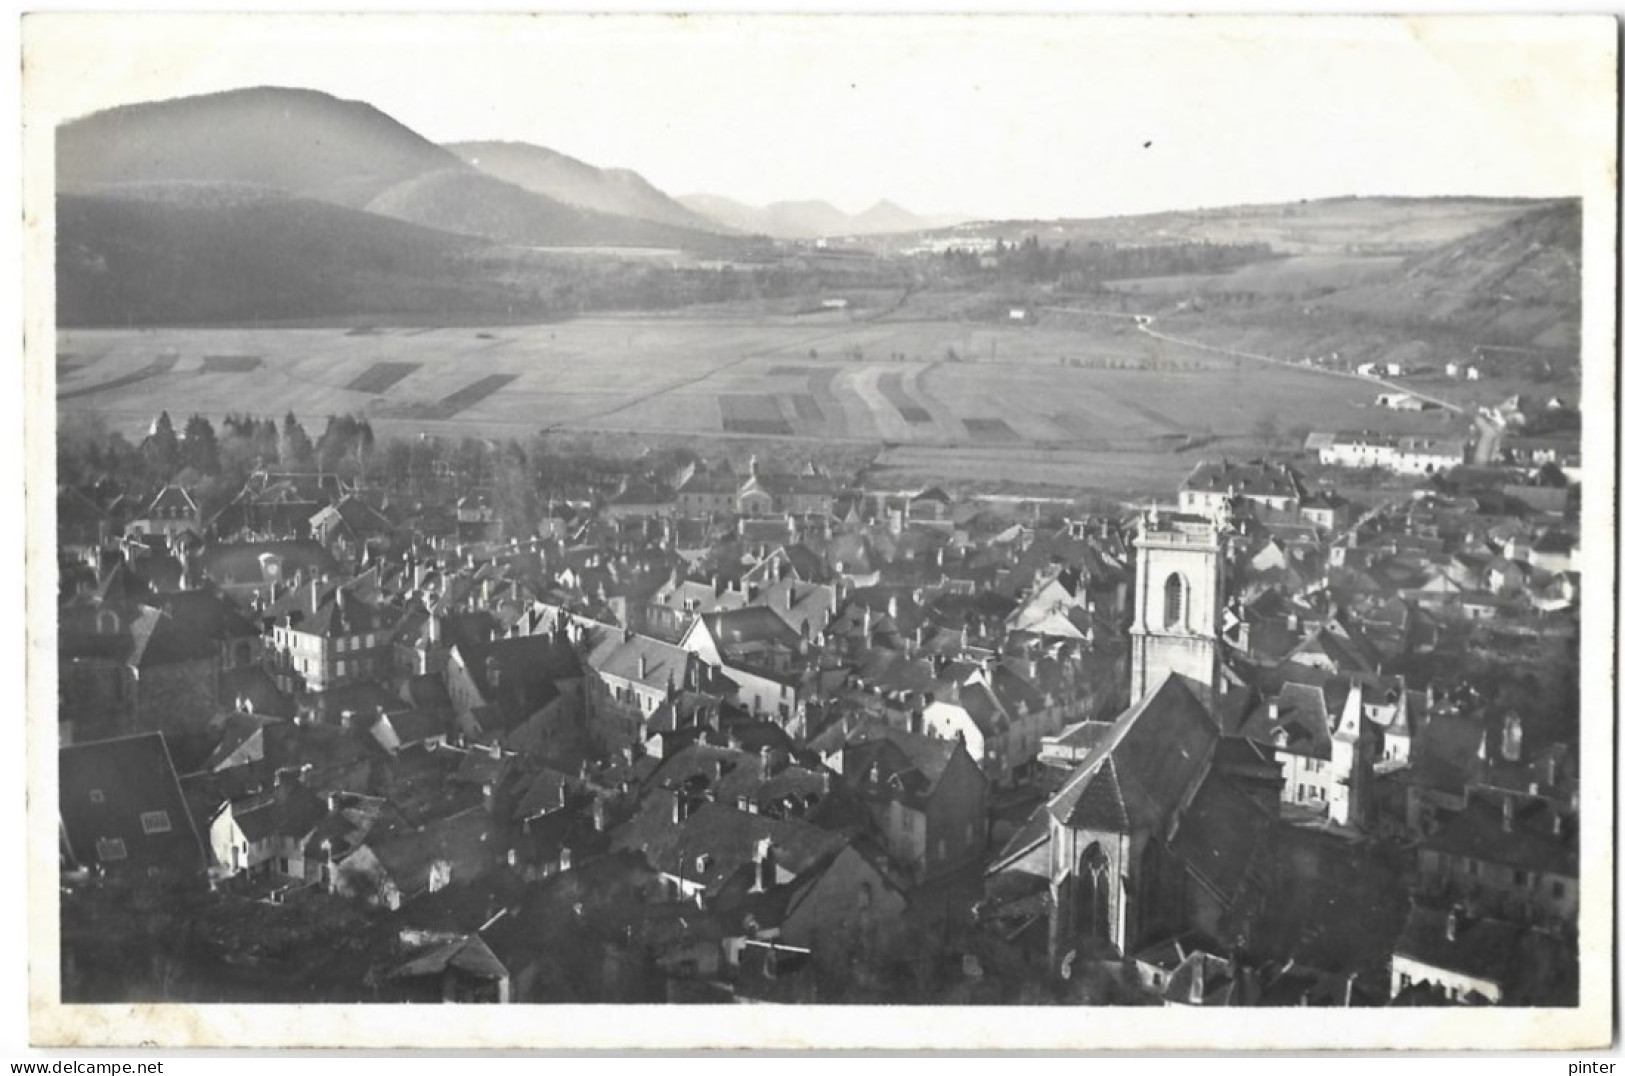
(154, 822)
(111, 849)
(97, 796)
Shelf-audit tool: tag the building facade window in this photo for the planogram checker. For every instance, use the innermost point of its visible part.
(1173, 602)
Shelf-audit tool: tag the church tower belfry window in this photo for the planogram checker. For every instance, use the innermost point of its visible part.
(1173, 602)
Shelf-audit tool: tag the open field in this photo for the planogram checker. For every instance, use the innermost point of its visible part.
(1281, 276)
(1092, 407)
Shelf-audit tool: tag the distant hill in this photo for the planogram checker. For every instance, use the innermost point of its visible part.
(806, 220)
(1516, 281)
(147, 254)
(565, 179)
(1375, 226)
(469, 202)
(305, 142)
(315, 146)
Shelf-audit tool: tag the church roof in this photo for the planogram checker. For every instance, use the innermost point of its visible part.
(1158, 748)
(1219, 834)
(1101, 805)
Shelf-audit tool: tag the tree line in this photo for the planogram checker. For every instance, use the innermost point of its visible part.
(1085, 266)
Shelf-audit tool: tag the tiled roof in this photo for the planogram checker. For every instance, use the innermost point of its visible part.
(726, 836)
(1539, 839)
(289, 810)
(104, 789)
(1159, 747)
(468, 955)
(1219, 835)
(1483, 948)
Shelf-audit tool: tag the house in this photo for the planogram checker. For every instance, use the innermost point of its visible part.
(1214, 485)
(528, 690)
(1555, 551)
(477, 519)
(350, 527)
(784, 879)
(173, 511)
(264, 570)
(151, 666)
(1003, 711)
(632, 675)
(1402, 401)
(637, 499)
(1409, 455)
(707, 492)
(1518, 857)
(323, 637)
(1057, 607)
(265, 834)
(396, 866)
(674, 607)
(1470, 959)
(1296, 725)
(447, 967)
(759, 652)
(122, 812)
(932, 507)
(766, 494)
(277, 505)
(926, 796)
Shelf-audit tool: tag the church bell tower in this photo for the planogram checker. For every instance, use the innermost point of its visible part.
(1178, 597)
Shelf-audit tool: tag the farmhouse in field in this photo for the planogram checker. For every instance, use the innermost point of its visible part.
(1402, 401)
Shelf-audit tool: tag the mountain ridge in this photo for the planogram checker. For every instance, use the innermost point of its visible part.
(545, 171)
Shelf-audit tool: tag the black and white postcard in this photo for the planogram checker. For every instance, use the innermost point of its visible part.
(954, 531)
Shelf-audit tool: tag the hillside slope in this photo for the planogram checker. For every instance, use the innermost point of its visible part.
(565, 179)
(159, 254)
(1339, 226)
(1517, 282)
(302, 141)
(469, 202)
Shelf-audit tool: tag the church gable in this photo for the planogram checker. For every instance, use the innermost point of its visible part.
(1158, 749)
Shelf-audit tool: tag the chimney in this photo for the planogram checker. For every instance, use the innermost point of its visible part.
(1512, 738)
(488, 794)
(1275, 710)
(765, 868)
(1452, 923)
(599, 820)
(643, 666)
(315, 593)
(679, 808)
(1508, 812)
(891, 608)
(767, 761)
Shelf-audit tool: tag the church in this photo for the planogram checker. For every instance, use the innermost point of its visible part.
(1165, 825)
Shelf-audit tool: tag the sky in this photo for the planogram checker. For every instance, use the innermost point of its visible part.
(984, 115)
